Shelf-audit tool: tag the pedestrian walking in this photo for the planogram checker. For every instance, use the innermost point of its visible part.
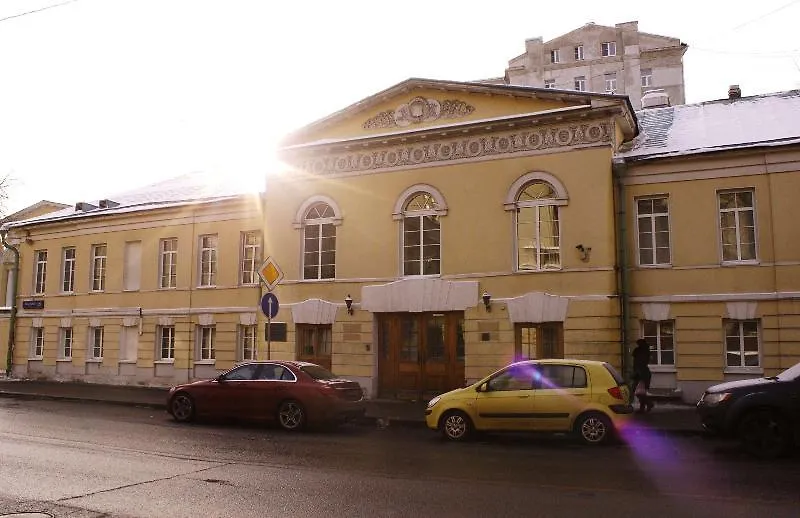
(642, 375)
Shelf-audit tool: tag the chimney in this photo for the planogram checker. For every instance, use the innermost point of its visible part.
(108, 204)
(734, 92)
(655, 99)
(83, 206)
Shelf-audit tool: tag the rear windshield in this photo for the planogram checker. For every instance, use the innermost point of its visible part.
(614, 374)
(317, 372)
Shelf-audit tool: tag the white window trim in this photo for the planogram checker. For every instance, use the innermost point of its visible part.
(400, 214)
(579, 55)
(646, 79)
(256, 257)
(39, 266)
(62, 333)
(610, 45)
(546, 202)
(636, 226)
(609, 80)
(555, 56)
(72, 262)
(241, 345)
(214, 269)
(300, 215)
(661, 367)
(742, 369)
(91, 357)
(199, 345)
(104, 261)
(318, 222)
(550, 84)
(37, 340)
(161, 255)
(737, 262)
(159, 345)
(579, 81)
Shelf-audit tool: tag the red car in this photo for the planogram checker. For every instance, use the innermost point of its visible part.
(294, 394)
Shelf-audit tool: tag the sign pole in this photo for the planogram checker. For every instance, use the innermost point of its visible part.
(269, 328)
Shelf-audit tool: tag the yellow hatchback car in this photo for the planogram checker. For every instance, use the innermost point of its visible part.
(586, 397)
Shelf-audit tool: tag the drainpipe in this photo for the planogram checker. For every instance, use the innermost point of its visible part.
(12, 324)
(619, 169)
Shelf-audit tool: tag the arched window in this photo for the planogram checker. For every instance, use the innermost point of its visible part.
(319, 242)
(537, 226)
(421, 235)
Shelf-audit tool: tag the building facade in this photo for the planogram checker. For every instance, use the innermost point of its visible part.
(153, 287)
(597, 58)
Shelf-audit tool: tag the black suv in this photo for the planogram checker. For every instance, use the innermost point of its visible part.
(764, 413)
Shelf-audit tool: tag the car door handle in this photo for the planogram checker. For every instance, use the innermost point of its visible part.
(525, 396)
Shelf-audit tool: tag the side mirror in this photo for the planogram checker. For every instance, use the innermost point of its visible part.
(483, 387)
(220, 378)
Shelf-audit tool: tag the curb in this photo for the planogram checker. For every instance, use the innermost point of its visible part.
(31, 396)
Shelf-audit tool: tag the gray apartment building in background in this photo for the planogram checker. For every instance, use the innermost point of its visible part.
(598, 58)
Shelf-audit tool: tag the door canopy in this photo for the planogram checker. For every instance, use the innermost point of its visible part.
(420, 295)
(537, 307)
(314, 311)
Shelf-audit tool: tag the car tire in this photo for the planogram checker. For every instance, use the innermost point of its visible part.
(182, 407)
(291, 415)
(764, 434)
(594, 428)
(455, 425)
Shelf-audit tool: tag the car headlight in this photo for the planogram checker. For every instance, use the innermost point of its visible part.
(433, 401)
(716, 398)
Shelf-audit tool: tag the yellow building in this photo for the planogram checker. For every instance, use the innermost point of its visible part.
(154, 286)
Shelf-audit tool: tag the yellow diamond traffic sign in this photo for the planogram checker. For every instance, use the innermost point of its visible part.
(270, 273)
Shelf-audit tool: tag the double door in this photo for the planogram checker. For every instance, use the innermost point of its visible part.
(420, 355)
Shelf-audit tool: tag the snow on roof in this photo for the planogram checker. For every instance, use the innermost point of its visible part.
(761, 120)
(182, 190)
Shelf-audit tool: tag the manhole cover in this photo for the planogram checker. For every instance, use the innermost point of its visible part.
(27, 515)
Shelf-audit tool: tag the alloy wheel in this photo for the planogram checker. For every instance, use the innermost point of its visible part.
(291, 415)
(456, 426)
(593, 429)
(182, 407)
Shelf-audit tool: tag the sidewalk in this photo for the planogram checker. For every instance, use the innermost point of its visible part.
(665, 417)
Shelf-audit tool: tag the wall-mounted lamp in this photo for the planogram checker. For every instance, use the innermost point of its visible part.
(487, 301)
(585, 252)
(28, 238)
(348, 301)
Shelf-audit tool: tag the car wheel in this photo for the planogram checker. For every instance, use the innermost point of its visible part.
(594, 428)
(291, 416)
(456, 426)
(764, 434)
(182, 407)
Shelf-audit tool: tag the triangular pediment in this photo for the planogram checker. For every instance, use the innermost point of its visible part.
(425, 104)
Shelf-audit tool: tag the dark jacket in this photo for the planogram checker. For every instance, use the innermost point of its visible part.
(641, 360)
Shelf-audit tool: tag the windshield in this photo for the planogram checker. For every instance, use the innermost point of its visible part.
(317, 372)
(791, 373)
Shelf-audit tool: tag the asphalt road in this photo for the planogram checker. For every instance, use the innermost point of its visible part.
(90, 460)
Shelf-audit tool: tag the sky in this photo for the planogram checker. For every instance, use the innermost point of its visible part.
(99, 97)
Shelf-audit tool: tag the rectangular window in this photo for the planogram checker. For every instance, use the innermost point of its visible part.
(251, 257)
(647, 77)
(737, 225)
(68, 270)
(538, 240)
(580, 83)
(96, 343)
(205, 337)
(579, 53)
(549, 83)
(661, 337)
(247, 342)
(37, 342)
(742, 343)
(554, 57)
(131, 274)
(608, 48)
(208, 260)
(166, 340)
(652, 221)
(40, 280)
(314, 343)
(98, 267)
(65, 343)
(610, 81)
(168, 263)
(319, 250)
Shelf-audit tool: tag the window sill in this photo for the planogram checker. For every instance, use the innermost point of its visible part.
(655, 266)
(132, 290)
(35, 358)
(126, 361)
(248, 285)
(167, 288)
(743, 370)
(164, 362)
(67, 293)
(210, 287)
(205, 362)
(96, 291)
(94, 360)
(543, 270)
(662, 368)
(741, 263)
(64, 360)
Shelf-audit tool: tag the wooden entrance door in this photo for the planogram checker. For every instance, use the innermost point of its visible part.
(538, 341)
(420, 355)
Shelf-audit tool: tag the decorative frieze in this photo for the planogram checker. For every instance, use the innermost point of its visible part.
(417, 110)
(459, 148)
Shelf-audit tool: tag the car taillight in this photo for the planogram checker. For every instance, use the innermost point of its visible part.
(616, 392)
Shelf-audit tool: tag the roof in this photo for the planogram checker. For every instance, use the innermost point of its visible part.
(189, 188)
(756, 121)
(22, 213)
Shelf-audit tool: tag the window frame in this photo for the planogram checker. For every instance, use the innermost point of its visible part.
(36, 351)
(652, 218)
(608, 49)
(170, 345)
(420, 215)
(211, 331)
(655, 341)
(207, 255)
(579, 55)
(172, 264)
(550, 84)
(537, 205)
(738, 227)
(646, 75)
(321, 224)
(579, 83)
(39, 272)
(98, 278)
(243, 338)
(66, 342)
(248, 266)
(318, 331)
(555, 56)
(742, 367)
(610, 79)
(96, 336)
(68, 269)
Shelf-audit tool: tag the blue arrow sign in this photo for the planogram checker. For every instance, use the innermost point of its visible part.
(269, 305)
